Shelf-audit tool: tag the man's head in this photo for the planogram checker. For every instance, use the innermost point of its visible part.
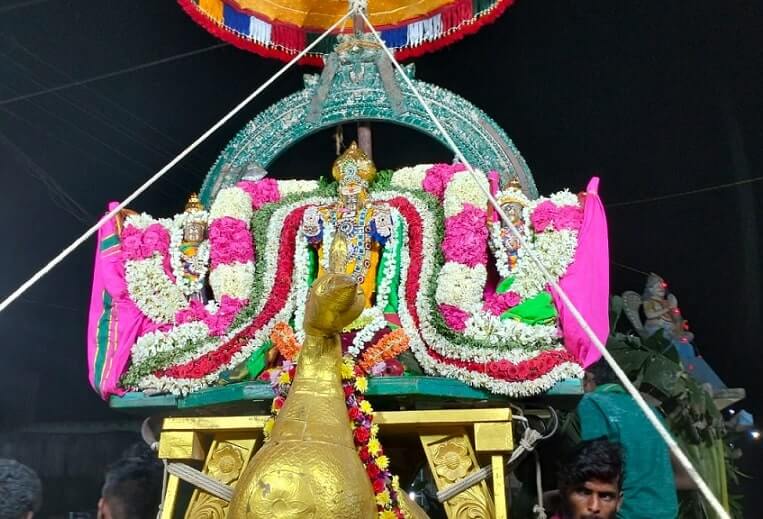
(597, 374)
(590, 481)
(20, 490)
(132, 489)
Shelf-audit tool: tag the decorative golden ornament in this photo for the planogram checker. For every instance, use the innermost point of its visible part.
(194, 205)
(451, 460)
(225, 463)
(354, 166)
(310, 468)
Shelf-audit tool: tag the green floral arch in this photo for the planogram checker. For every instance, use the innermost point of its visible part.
(366, 90)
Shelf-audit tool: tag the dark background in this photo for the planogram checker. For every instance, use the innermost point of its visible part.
(657, 98)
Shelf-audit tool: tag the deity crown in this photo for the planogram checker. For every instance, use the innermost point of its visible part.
(354, 166)
(193, 205)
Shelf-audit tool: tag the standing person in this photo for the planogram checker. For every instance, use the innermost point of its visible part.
(607, 410)
(132, 489)
(20, 491)
(590, 481)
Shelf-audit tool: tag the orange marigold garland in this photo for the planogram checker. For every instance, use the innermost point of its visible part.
(285, 340)
(388, 347)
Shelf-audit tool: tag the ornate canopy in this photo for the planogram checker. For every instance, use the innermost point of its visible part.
(283, 28)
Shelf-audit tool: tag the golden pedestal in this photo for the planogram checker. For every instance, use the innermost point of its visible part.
(455, 442)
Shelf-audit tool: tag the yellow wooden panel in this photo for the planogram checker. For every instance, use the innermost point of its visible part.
(499, 487)
(180, 445)
(493, 437)
(170, 497)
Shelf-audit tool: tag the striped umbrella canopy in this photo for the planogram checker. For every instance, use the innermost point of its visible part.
(282, 28)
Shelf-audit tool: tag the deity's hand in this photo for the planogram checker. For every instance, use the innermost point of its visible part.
(334, 301)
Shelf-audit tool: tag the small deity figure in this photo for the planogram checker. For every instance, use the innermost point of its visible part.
(503, 241)
(661, 311)
(354, 227)
(194, 234)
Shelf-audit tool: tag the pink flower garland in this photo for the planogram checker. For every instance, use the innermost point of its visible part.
(466, 236)
(230, 242)
(141, 244)
(218, 322)
(497, 304)
(261, 192)
(438, 176)
(454, 317)
(547, 214)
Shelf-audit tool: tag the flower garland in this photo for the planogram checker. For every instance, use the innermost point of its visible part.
(386, 486)
(439, 355)
(388, 347)
(188, 285)
(285, 341)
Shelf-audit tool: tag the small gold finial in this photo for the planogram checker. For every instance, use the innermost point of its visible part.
(514, 183)
(194, 204)
(354, 166)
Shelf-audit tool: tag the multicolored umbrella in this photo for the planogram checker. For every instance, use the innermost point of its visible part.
(283, 28)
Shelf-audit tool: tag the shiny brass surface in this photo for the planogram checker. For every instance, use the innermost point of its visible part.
(170, 497)
(310, 468)
(451, 458)
(226, 459)
(180, 445)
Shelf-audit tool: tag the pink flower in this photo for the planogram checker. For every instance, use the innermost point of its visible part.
(261, 192)
(438, 176)
(466, 237)
(454, 317)
(569, 217)
(543, 215)
(230, 242)
(497, 304)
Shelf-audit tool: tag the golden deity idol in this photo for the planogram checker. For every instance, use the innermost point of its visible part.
(310, 468)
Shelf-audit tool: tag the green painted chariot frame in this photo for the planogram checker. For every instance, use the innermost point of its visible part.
(359, 83)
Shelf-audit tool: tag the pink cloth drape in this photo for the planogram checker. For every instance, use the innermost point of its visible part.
(586, 281)
(114, 322)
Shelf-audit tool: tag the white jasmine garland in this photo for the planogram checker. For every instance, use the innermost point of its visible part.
(556, 251)
(152, 291)
(139, 221)
(299, 282)
(233, 202)
(367, 333)
(288, 187)
(157, 342)
(461, 286)
(390, 262)
(234, 280)
(564, 197)
(499, 250)
(411, 177)
(462, 189)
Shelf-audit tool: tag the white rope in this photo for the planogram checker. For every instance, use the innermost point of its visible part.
(538, 509)
(201, 480)
(650, 415)
(92, 230)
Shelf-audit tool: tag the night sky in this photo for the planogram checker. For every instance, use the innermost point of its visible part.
(656, 98)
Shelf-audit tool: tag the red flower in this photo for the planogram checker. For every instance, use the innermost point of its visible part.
(354, 413)
(379, 486)
(348, 390)
(365, 456)
(361, 435)
(373, 470)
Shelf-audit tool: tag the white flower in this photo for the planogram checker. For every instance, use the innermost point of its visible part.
(233, 202)
(139, 221)
(157, 342)
(461, 286)
(234, 280)
(410, 177)
(288, 187)
(555, 250)
(565, 198)
(152, 291)
(462, 189)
